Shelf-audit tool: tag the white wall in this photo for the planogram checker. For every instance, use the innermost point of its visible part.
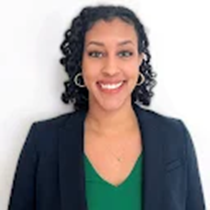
(32, 79)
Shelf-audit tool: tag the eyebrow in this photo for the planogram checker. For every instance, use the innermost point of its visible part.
(119, 44)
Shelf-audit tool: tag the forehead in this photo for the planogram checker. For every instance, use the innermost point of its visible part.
(115, 29)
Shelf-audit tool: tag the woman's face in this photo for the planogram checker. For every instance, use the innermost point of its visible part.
(110, 64)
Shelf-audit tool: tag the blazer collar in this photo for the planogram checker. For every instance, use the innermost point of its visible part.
(71, 170)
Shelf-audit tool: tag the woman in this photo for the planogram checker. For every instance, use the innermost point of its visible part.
(110, 153)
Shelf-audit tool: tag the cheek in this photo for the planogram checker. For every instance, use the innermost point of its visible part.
(132, 70)
(87, 72)
(91, 71)
(89, 75)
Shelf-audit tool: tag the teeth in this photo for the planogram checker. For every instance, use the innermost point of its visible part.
(111, 86)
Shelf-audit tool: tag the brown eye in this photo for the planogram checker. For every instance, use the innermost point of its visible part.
(125, 53)
(96, 54)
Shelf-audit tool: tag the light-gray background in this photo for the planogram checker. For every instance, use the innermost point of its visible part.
(31, 79)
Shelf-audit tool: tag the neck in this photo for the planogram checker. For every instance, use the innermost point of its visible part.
(111, 123)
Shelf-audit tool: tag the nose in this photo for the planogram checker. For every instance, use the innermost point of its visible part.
(111, 66)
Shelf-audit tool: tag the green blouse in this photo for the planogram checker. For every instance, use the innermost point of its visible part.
(101, 195)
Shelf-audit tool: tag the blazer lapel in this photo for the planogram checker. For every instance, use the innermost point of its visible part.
(71, 169)
(153, 165)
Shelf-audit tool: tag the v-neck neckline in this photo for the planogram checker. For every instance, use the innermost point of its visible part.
(108, 183)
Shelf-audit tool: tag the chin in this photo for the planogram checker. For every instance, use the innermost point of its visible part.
(112, 105)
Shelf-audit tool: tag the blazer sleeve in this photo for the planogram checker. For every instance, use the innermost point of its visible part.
(22, 195)
(195, 197)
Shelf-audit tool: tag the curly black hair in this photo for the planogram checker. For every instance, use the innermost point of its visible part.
(72, 49)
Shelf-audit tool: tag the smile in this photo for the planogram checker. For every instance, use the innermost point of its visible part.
(111, 88)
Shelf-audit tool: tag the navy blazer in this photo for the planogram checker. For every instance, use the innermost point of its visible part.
(50, 172)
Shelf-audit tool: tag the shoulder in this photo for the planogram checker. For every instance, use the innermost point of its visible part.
(170, 122)
(57, 121)
(173, 129)
(44, 133)
(156, 118)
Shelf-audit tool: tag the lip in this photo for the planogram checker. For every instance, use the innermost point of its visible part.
(110, 82)
(111, 91)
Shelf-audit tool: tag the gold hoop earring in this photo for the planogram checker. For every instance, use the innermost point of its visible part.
(142, 80)
(76, 80)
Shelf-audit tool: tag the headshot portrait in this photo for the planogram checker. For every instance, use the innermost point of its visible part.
(110, 149)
